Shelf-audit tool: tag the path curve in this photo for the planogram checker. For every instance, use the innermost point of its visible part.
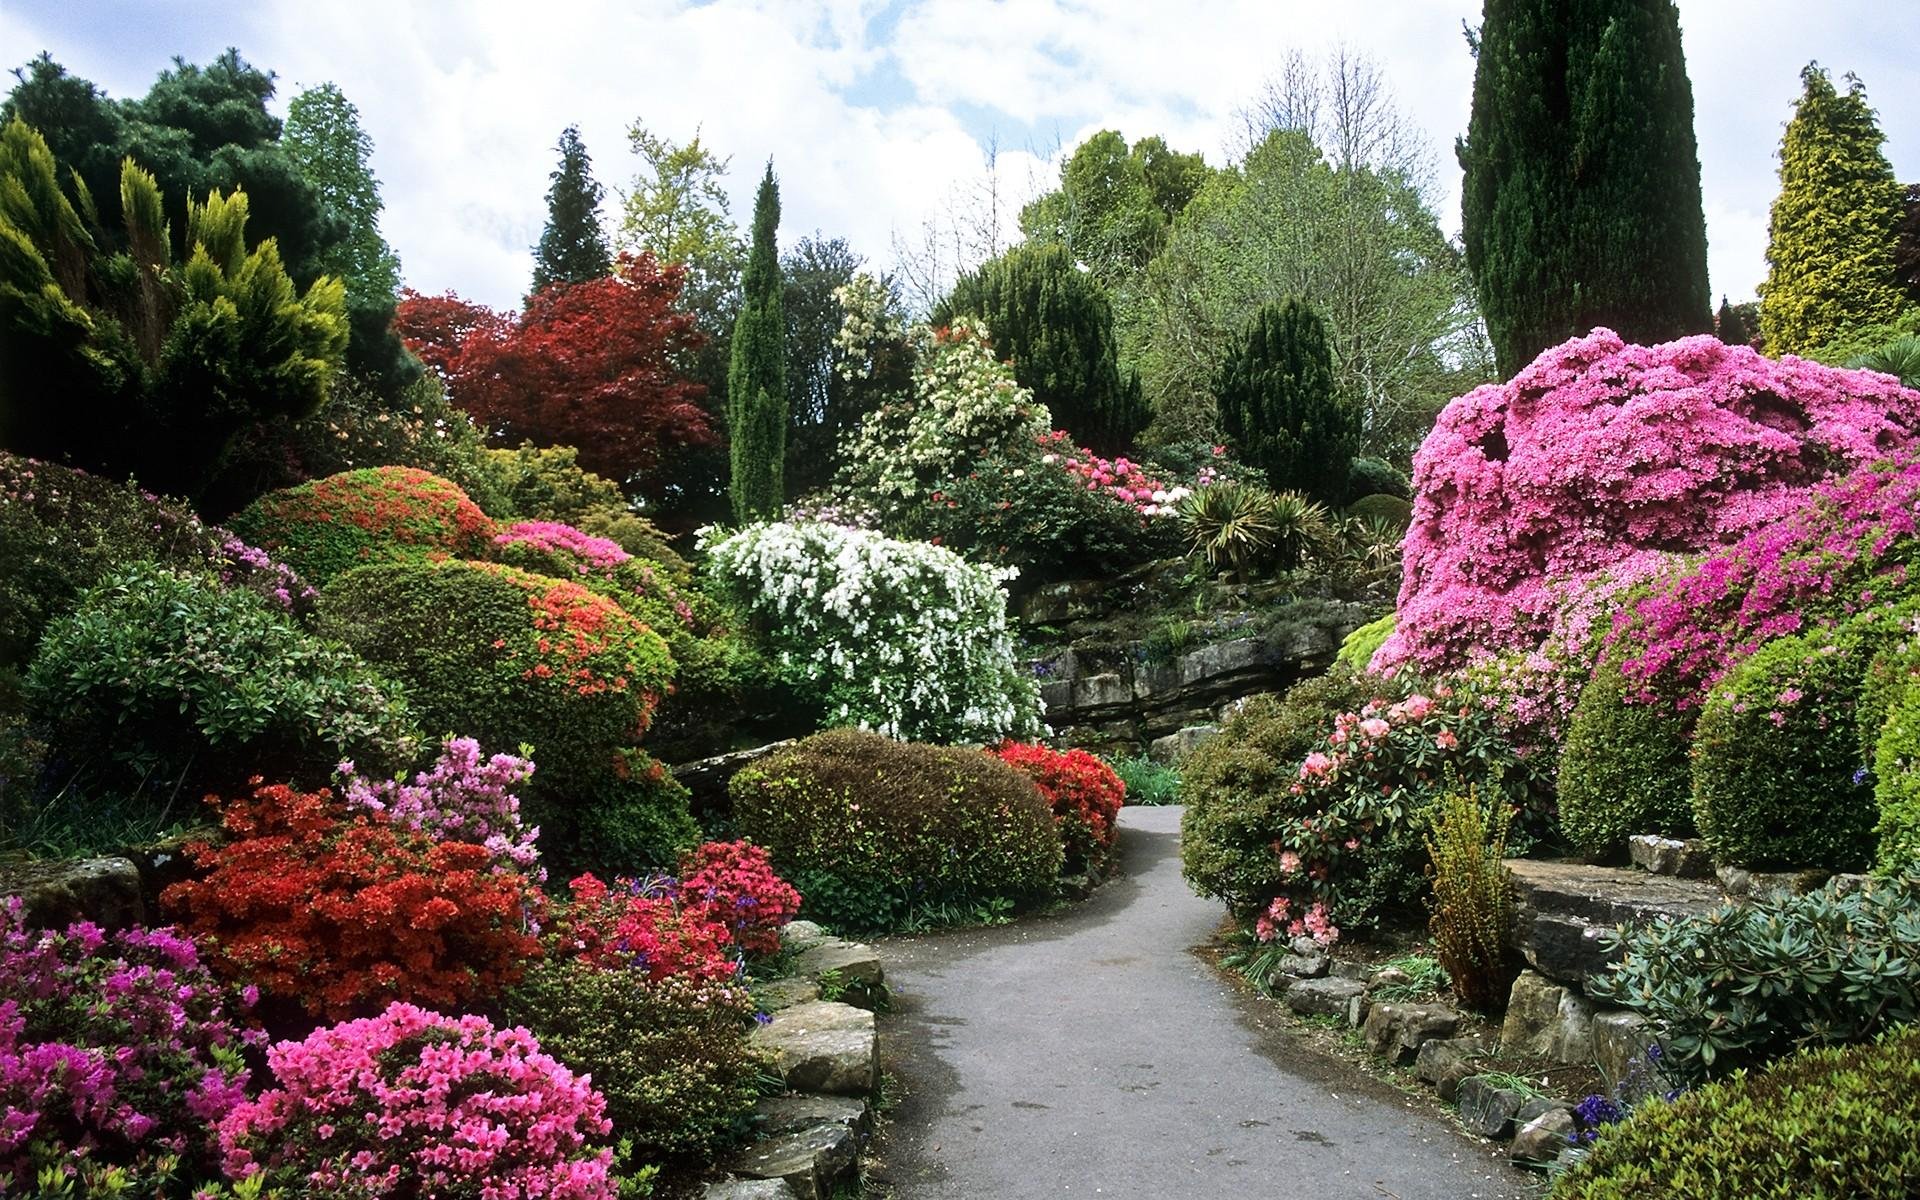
(1093, 1053)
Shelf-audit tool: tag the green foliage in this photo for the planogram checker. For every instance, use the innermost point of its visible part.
(164, 683)
(1623, 768)
(1426, 979)
(757, 375)
(1230, 524)
(326, 143)
(1836, 1124)
(1834, 227)
(378, 514)
(831, 384)
(573, 247)
(1356, 651)
(670, 1056)
(1472, 902)
(1746, 983)
(871, 829)
(1149, 784)
(638, 537)
(1278, 406)
(1733, 324)
(1896, 784)
(1236, 786)
(632, 820)
(1367, 477)
(1056, 325)
(1865, 341)
(1899, 358)
(1776, 759)
(509, 658)
(1582, 200)
(1114, 203)
(1389, 510)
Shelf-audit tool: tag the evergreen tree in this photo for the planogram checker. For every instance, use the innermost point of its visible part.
(1581, 203)
(1730, 324)
(1278, 404)
(1835, 225)
(573, 246)
(756, 375)
(1053, 321)
(324, 138)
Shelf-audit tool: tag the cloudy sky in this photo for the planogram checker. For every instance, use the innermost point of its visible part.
(875, 112)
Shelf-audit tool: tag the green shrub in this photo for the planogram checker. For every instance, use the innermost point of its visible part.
(1746, 983)
(1237, 786)
(1623, 768)
(167, 679)
(871, 830)
(1472, 899)
(1896, 786)
(1376, 477)
(1356, 651)
(638, 537)
(550, 484)
(508, 657)
(630, 821)
(1776, 761)
(1835, 1124)
(671, 1057)
(1391, 510)
(1149, 784)
(377, 514)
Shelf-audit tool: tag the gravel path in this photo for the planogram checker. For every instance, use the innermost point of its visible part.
(1094, 1054)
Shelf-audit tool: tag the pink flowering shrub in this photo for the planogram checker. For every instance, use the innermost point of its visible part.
(588, 554)
(1118, 478)
(459, 799)
(737, 884)
(121, 1049)
(414, 1104)
(1599, 451)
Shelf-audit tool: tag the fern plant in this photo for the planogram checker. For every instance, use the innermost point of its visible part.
(1472, 903)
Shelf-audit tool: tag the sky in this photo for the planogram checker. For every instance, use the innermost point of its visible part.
(879, 114)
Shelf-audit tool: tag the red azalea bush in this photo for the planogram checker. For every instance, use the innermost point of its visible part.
(737, 883)
(338, 912)
(122, 1050)
(1600, 450)
(642, 924)
(1084, 793)
(414, 1104)
(377, 514)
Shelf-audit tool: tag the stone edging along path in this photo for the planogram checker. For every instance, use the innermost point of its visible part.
(1092, 1053)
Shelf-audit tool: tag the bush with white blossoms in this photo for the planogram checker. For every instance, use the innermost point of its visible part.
(903, 638)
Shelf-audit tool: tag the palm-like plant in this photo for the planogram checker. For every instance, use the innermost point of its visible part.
(1372, 543)
(1229, 523)
(1300, 527)
(1899, 358)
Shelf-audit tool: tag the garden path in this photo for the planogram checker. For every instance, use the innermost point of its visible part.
(1093, 1053)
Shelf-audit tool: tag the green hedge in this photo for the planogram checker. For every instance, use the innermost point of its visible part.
(1836, 1124)
(1623, 768)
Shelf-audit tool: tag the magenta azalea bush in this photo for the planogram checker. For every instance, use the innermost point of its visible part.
(411, 1104)
(460, 798)
(590, 554)
(122, 1050)
(1599, 451)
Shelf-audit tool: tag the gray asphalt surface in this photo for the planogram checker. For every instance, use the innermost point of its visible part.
(1093, 1054)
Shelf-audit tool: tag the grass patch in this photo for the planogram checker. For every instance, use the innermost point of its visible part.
(1426, 979)
(1149, 784)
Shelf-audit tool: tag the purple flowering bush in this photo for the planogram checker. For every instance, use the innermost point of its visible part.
(411, 1103)
(460, 798)
(117, 1049)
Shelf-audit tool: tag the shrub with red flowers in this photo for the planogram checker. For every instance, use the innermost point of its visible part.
(337, 911)
(1084, 793)
(376, 514)
(121, 1050)
(411, 1103)
(737, 883)
(1601, 450)
(641, 923)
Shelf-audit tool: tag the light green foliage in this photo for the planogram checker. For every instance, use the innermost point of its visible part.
(1243, 527)
(324, 139)
(1821, 1125)
(870, 829)
(1834, 228)
(1279, 407)
(1426, 979)
(1472, 902)
(756, 378)
(1356, 651)
(1054, 323)
(678, 209)
(1148, 783)
(1896, 785)
(1776, 758)
(1623, 768)
(1899, 358)
(1863, 341)
(573, 246)
(630, 820)
(1747, 982)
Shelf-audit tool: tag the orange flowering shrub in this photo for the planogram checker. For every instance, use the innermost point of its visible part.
(377, 514)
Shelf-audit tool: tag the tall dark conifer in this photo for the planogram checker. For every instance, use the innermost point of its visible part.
(573, 246)
(756, 374)
(1278, 406)
(1581, 203)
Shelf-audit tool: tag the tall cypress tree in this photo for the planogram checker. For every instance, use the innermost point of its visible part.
(1581, 203)
(756, 374)
(1053, 320)
(1279, 407)
(1832, 240)
(573, 246)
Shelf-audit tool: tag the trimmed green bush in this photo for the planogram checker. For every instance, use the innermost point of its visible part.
(1368, 476)
(1391, 510)
(630, 821)
(1836, 1124)
(1356, 651)
(873, 831)
(508, 657)
(1777, 778)
(1623, 768)
(1237, 786)
(671, 1056)
(1896, 786)
(377, 514)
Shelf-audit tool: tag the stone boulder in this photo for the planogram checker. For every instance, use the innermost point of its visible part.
(1396, 1032)
(1543, 1137)
(810, 1161)
(822, 1046)
(749, 1189)
(1444, 1062)
(1563, 910)
(849, 967)
(1487, 1108)
(1181, 742)
(1326, 997)
(55, 894)
(797, 1111)
(1547, 1020)
(1670, 856)
(1621, 1041)
(707, 778)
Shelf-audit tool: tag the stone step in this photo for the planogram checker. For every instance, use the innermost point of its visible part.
(850, 968)
(809, 1161)
(822, 1046)
(1562, 910)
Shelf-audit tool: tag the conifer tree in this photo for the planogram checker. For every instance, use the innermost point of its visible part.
(324, 138)
(1055, 324)
(1730, 325)
(1278, 405)
(1581, 203)
(756, 374)
(573, 246)
(1835, 225)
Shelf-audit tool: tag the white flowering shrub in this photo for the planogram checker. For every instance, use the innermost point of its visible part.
(904, 638)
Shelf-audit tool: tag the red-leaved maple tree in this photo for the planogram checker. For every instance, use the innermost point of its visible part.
(589, 365)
